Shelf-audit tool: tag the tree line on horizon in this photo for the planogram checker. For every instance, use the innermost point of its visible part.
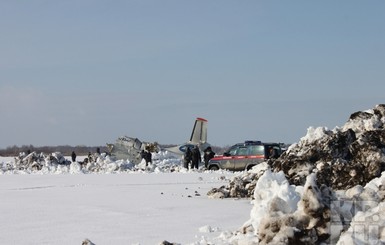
(63, 149)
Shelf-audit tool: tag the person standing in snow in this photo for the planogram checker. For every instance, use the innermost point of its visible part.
(143, 154)
(73, 156)
(90, 157)
(208, 154)
(195, 157)
(187, 157)
(148, 157)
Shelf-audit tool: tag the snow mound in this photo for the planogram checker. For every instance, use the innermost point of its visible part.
(341, 158)
(242, 185)
(311, 214)
(327, 189)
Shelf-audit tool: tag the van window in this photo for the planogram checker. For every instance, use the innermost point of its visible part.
(232, 151)
(242, 151)
(256, 150)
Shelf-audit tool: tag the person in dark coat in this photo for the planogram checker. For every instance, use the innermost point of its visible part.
(208, 154)
(90, 159)
(143, 154)
(73, 156)
(195, 157)
(187, 157)
(148, 157)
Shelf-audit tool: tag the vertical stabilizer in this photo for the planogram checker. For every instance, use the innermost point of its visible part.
(199, 132)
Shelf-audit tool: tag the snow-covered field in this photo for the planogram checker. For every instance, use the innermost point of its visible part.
(132, 208)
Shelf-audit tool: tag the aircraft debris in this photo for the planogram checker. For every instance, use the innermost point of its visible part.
(130, 148)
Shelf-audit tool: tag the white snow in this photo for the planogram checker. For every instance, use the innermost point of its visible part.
(122, 208)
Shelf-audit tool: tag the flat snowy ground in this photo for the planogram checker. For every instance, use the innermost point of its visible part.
(124, 208)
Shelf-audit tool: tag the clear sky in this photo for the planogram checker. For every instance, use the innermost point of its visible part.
(84, 72)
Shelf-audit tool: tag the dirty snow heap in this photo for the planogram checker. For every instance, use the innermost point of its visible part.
(329, 188)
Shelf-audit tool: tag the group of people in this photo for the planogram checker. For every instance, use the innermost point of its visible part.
(90, 156)
(193, 157)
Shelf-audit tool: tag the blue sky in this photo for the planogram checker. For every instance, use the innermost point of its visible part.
(86, 72)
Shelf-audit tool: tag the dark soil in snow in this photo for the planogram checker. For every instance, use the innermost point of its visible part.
(341, 158)
(337, 161)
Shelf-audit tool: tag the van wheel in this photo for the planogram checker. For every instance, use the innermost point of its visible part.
(250, 167)
(213, 167)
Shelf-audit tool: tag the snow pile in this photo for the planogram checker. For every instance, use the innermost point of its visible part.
(312, 214)
(362, 213)
(242, 185)
(286, 214)
(313, 193)
(341, 158)
(289, 214)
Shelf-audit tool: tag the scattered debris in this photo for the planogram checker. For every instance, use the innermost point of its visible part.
(35, 162)
(94, 163)
(131, 148)
(87, 242)
(241, 186)
(168, 243)
(208, 229)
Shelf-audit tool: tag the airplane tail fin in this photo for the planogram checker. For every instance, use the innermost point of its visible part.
(199, 132)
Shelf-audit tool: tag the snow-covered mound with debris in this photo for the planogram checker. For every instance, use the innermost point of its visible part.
(56, 163)
(341, 158)
(311, 214)
(329, 188)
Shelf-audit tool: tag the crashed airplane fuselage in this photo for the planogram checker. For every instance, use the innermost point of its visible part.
(129, 148)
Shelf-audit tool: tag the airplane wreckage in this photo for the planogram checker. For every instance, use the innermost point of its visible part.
(129, 148)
